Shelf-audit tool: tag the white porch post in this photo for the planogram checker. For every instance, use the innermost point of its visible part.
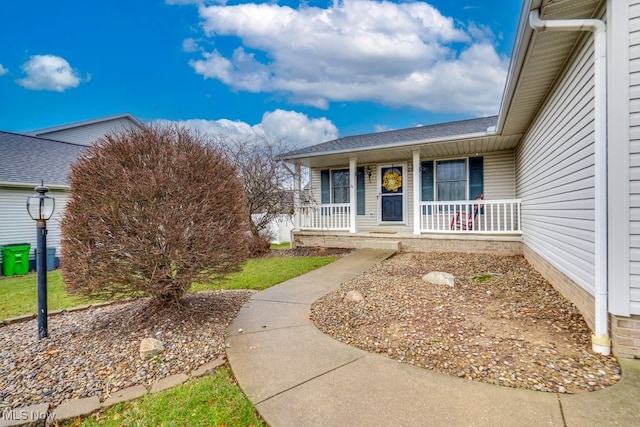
(416, 192)
(296, 196)
(353, 194)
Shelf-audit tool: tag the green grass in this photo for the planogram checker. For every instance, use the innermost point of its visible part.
(18, 295)
(214, 400)
(262, 273)
(481, 278)
(284, 245)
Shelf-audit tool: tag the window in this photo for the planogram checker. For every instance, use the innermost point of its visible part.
(449, 180)
(335, 187)
(340, 186)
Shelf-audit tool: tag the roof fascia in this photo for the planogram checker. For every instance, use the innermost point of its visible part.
(84, 123)
(8, 184)
(403, 144)
(42, 138)
(521, 45)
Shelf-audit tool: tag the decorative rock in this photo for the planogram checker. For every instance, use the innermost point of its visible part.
(150, 347)
(439, 278)
(353, 296)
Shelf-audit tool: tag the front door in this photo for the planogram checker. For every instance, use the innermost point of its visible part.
(391, 194)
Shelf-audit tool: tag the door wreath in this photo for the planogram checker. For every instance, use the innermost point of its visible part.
(392, 181)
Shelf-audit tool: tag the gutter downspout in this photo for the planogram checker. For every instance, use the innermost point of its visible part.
(600, 340)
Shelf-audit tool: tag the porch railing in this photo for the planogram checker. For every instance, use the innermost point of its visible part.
(335, 216)
(471, 216)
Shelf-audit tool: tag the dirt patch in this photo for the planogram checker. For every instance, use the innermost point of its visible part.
(501, 323)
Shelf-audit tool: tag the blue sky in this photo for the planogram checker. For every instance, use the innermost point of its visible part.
(304, 72)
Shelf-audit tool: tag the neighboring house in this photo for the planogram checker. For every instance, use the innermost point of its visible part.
(87, 131)
(43, 156)
(559, 169)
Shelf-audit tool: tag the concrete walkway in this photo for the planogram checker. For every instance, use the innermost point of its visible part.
(297, 376)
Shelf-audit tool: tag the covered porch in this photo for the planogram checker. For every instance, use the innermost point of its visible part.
(449, 181)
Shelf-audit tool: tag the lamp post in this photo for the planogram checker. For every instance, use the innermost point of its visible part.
(40, 208)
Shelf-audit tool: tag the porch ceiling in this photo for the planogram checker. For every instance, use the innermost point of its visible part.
(428, 150)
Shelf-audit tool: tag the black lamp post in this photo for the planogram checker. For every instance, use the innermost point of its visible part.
(40, 208)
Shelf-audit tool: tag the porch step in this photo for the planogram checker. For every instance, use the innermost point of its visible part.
(380, 244)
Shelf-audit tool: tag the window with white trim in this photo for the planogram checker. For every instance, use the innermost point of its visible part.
(452, 180)
(335, 187)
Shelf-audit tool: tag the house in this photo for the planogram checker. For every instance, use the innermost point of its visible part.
(558, 168)
(87, 131)
(46, 156)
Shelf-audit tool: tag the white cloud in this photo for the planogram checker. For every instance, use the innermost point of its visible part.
(3, 70)
(294, 129)
(49, 72)
(396, 54)
(189, 45)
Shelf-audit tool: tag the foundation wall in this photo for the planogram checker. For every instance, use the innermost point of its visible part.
(469, 244)
(625, 333)
(563, 284)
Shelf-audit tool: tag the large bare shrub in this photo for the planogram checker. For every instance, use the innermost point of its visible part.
(152, 210)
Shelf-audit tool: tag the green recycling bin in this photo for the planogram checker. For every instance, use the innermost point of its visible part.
(15, 259)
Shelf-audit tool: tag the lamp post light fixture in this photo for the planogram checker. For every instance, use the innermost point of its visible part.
(40, 208)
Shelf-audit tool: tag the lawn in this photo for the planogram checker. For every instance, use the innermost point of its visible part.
(262, 273)
(214, 400)
(18, 294)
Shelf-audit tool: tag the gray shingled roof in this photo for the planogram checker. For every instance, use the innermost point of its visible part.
(400, 137)
(29, 160)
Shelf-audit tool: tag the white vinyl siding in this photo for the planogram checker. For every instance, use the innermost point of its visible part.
(634, 155)
(88, 134)
(499, 176)
(16, 226)
(555, 174)
(369, 220)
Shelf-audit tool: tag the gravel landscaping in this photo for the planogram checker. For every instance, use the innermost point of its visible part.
(96, 352)
(501, 323)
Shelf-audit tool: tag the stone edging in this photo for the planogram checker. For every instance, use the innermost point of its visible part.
(26, 317)
(42, 415)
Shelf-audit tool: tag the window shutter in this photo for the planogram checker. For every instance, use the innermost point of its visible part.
(426, 178)
(360, 191)
(476, 177)
(325, 187)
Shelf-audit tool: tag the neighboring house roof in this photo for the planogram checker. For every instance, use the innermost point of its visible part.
(27, 160)
(87, 131)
